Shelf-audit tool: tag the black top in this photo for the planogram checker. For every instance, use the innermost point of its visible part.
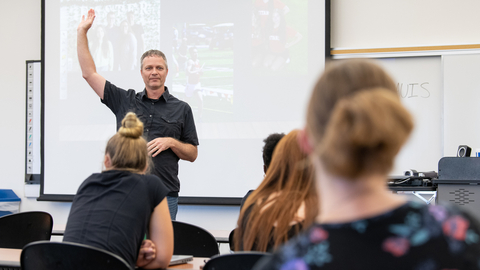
(413, 236)
(163, 117)
(112, 211)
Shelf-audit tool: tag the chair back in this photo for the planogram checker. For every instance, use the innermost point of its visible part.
(46, 255)
(231, 244)
(17, 230)
(189, 239)
(235, 261)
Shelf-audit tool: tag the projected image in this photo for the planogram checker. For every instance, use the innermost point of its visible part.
(122, 31)
(119, 36)
(203, 67)
(279, 36)
(245, 67)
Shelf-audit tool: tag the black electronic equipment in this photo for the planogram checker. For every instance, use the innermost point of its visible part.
(459, 182)
(464, 151)
(413, 178)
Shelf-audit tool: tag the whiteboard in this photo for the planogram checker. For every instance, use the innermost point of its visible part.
(419, 83)
(462, 98)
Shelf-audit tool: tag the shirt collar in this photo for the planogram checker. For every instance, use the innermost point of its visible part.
(165, 95)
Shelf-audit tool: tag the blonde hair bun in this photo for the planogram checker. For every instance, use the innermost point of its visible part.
(131, 127)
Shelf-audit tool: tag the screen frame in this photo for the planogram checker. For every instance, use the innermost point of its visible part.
(185, 200)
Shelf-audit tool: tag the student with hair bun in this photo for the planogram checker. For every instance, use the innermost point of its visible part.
(115, 209)
(355, 127)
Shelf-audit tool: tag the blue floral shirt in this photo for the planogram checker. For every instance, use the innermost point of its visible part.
(413, 236)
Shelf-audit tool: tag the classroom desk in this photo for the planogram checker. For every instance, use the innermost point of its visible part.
(220, 235)
(196, 264)
(10, 258)
(58, 229)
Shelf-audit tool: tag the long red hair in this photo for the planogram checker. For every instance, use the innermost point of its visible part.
(291, 177)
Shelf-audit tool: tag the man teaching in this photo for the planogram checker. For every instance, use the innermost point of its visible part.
(169, 127)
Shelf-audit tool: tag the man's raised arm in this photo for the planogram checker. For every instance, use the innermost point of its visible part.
(89, 71)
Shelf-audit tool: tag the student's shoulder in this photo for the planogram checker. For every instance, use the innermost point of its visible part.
(153, 181)
(155, 187)
(150, 177)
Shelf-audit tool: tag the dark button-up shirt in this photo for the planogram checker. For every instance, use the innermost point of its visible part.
(163, 117)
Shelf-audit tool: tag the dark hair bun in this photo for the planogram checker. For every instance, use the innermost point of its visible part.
(365, 133)
(132, 127)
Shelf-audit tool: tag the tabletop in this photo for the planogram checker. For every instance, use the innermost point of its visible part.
(10, 257)
(196, 264)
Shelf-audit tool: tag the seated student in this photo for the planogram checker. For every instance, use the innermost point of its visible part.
(283, 204)
(356, 125)
(113, 209)
(270, 142)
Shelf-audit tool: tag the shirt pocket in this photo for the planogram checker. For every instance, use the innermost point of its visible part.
(169, 127)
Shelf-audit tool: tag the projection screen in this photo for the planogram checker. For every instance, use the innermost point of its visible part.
(260, 59)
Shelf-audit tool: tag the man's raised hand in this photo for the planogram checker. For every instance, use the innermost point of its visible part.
(86, 23)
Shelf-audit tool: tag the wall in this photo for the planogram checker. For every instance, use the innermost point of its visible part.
(394, 23)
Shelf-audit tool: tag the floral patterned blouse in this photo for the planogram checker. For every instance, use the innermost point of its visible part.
(413, 236)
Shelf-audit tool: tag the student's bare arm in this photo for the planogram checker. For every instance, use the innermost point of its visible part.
(161, 234)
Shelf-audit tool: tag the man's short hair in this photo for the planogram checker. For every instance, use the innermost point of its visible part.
(151, 53)
(270, 142)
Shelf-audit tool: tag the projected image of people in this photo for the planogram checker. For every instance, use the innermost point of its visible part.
(203, 55)
(102, 50)
(112, 32)
(194, 88)
(123, 33)
(128, 47)
(277, 40)
(138, 32)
